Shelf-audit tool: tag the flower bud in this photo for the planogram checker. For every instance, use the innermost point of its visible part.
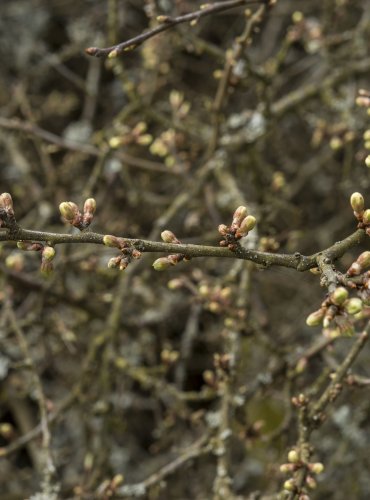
(114, 262)
(357, 202)
(46, 268)
(353, 306)
(239, 214)
(162, 264)
(315, 318)
(311, 483)
(223, 229)
(6, 202)
(354, 269)
(29, 246)
(168, 237)
(68, 210)
(339, 296)
(317, 468)
(366, 215)
(90, 206)
(293, 456)
(289, 485)
(112, 241)
(48, 253)
(367, 161)
(286, 468)
(364, 260)
(246, 225)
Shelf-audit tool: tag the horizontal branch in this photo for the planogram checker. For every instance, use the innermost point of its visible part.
(168, 22)
(294, 261)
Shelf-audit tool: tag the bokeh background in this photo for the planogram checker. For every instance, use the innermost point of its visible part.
(126, 360)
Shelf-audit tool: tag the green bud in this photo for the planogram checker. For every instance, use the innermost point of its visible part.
(367, 161)
(112, 241)
(293, 456)
(247, 225)
(315, 318)
(114, 262)
(339, 296)
(289, 485)
(357, 202)
(68, 210)
(286, 468)
(162, 264)
(48, 253)
(366, 215)
(317, 468)
(353, 306)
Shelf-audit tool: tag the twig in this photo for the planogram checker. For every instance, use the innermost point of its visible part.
(198, 449)
(294, 261)
(168, 22)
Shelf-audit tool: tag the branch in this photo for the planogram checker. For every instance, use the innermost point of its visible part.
(266, 259)
(169, 22)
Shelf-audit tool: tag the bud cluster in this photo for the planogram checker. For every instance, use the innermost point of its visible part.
(241, 224)
(164, 263)
(216, 299)
(7, 217)
(137, 135)
(71, 213)
(128, 253)
(337, 306)
(359, 211)
(295, 463)
(47, 254)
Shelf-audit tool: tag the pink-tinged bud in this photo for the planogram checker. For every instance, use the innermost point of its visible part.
(317, 468)
(293, 456)
(48, 253)
(363, 101)
(286, 468)
(46, 268)
(315, 318)
(135, 254)
(355, 269)
(246, 225)
(364, 260)
(69, 210)
(366, 215)
(90, 206)
(29, 246)
(162, 264)
(113, 241)
(339, 296)
(89, 210)
(223, 229)
(114, 262)
(168, 237)
(6, 202)
(311, 483)
(353, 306)
(239, 214)
(123, 264)
(357, 202)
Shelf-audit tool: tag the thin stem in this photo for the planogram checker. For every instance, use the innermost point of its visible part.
(169, 22)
